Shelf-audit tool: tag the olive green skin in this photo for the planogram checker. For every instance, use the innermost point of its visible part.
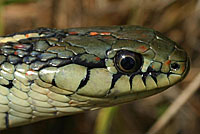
(46, 73)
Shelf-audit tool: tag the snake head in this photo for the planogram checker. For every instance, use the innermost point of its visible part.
(144, 62)
(139, 62)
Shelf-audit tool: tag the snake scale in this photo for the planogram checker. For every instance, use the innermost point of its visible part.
(47, 73)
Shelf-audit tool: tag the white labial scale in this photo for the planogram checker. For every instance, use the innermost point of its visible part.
(19, 37)
(39, 103)
(150, 83)
(39, 89)
(121, 87)
(60, 91)
(58, 103)
(69, 109)
(3, 99)
(85, 99)
(58, 97)
(47, 74)
(37, 96)
(90, 108)
(3, 81)
(18, 93)
(20, 114)
(2, 121)
(40, 83)
(19, 108)
(69, 77)
(8, 67)
(45, 110)
(20, 86)
(17, 121)
(18, 101)
(98, 84)
(4, 90)
(7, 39)
(43, 114)
(74, 103)
(6, 75)
(22, 78)
(4, 108)
(162, 80)
(138, 84)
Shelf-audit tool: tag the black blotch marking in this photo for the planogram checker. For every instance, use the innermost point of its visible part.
(130, 81)
(154, 75)
(7, 120)
(85, 80)
(54, 83)
(114, 79)
(10, 85)
(144, 76)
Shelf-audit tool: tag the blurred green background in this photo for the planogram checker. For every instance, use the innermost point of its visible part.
(177, 19)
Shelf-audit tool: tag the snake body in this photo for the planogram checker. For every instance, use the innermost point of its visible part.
(47, 73)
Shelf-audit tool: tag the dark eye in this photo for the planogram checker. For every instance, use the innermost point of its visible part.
(128, 62)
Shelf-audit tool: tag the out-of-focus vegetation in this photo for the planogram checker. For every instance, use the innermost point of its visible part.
(1, 17)
(6, 2)
(177, 19)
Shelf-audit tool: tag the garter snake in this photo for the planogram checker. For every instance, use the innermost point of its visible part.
(46, 73)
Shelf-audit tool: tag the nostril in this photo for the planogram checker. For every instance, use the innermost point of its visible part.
(175, 66)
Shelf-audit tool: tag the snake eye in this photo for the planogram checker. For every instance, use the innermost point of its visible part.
(127, 61)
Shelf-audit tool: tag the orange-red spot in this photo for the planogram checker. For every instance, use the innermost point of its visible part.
(167, 62)
(97, 59)
(15, 53)
(105, 33)
(153, 66)
(93, 33)
(72, 33)
(27, 35)
(143, 48)
(30, 72)
(18, 46)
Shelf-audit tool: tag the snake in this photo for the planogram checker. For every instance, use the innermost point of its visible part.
(47, 73)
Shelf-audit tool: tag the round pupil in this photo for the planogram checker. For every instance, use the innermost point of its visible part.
(128, 63)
